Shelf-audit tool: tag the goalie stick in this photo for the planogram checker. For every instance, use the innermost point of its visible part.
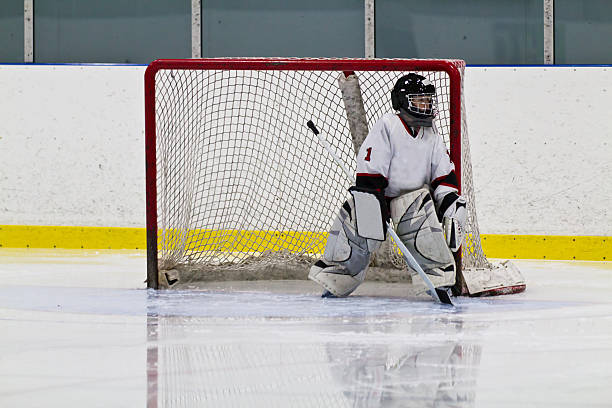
(440, 295)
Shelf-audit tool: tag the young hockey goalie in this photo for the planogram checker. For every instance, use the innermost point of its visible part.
(403, 171)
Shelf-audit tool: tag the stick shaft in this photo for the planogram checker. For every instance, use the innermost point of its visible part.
(412, 262)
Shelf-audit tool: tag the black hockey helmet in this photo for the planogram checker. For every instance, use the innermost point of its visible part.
(411, 88)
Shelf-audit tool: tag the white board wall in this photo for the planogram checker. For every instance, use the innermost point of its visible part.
(72, 147)
(541, 149)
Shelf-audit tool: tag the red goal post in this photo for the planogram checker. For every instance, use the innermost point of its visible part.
(191, 73)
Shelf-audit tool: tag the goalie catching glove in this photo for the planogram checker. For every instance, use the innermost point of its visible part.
(453, 211)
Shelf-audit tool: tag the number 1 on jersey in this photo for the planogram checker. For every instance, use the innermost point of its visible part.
(369, 150)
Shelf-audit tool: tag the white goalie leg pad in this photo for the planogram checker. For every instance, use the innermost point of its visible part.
(333, 279)
(346, 255)
(417, 225)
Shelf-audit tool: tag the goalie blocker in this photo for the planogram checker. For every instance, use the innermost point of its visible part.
(371, 212)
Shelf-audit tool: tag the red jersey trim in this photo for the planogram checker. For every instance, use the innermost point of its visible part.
(370, 175)
(417, 128)
(449, 180)
(439, 179)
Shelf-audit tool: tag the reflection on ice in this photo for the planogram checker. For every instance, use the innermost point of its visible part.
(271, 349)
(322, 362)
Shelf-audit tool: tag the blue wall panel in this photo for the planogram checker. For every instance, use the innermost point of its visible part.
(277, 28)
(135, 31)
(583, 32)
(478, 31)
(11, 31)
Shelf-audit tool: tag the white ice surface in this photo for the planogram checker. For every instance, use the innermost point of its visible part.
(77, 328)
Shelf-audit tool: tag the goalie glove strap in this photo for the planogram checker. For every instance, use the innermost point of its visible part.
(446, 203)
(371, 181)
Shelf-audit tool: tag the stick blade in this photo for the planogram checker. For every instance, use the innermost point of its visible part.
(328, 294)
(444, 294)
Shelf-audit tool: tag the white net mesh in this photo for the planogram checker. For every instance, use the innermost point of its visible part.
(241, 181)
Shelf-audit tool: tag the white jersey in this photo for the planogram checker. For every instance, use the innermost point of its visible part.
(407, 161)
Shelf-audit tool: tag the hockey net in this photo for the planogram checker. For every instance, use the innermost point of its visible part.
(236, 182)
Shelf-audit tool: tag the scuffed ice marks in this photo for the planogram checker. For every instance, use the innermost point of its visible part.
(245, 304)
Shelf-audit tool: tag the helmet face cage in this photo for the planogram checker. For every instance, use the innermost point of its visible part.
(422, 104)
(416, 95)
